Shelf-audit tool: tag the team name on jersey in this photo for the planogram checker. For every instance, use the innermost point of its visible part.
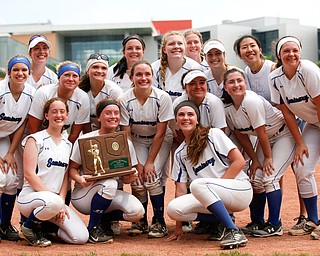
(56, 163)
(203, 165)
(295, 100)
(10, 119)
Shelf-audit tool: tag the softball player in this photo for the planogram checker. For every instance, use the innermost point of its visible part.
(67, 89)
(101, 199)
(172, 64)
(294, 87)
(95, 84)
(250, 114)
(194, 47)
(218, 185)
(133, 48)
(39, 52)
(15, 100)
(145, 112)
(46, 180)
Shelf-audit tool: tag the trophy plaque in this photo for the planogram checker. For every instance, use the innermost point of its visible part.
(105, 156)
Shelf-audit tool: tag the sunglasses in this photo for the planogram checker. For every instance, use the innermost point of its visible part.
(98, 56)
(36, 36)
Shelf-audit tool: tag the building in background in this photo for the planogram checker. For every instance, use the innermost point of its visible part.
(77, 42)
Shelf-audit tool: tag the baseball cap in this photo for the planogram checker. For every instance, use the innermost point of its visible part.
(213, 44)
(192, 75)
(35, 39)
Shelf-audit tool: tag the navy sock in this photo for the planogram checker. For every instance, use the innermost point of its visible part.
(274, 205)
(311, 204)
(112, 216)
(207, 218)
(145, 207)
(7, 204)
(257, 206)
(158, 208)
(220, 212)
(32, 221)
(98, 207)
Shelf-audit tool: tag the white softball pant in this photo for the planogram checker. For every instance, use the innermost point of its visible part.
(282, 147)
(236, 195)
(46, 205)
(8, 181)
(305, 174)
(130, 206)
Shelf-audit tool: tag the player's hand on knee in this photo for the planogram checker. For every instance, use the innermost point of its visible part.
(11, 163)
(150, 172)
(298, 154)
(255, 164)
(2, 163)
(61, 215)
(268, 167)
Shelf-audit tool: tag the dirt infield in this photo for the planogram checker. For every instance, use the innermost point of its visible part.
(189, 244)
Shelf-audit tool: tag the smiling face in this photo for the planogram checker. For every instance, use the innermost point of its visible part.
(69, 80)
(249, 50)
(197, 89)
(18, 74)
(235, 85)
(109, 118)
(142, 76)
(57, 114)
(290, 55)
(187, 120)
(40, 53)
(133, 51)
(193, 48)
(215, 58)
(98, 72)
(174, 46)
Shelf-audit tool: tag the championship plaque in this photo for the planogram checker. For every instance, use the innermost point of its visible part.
(105, 156)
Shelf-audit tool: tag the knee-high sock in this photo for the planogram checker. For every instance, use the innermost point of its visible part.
(312, 208)
(7, 204)
(158, 208)
(220, 212)
(32, 221)
(98, 206)
(274, 204)
(257, 206)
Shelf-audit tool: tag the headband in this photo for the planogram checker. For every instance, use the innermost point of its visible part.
(16, 60)
(90, 62)
(192, 75)
(103, 104)
(128, 38)
(68, 67)
(286, 40)
(187, 103)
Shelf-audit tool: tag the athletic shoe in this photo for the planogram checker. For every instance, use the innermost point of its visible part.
(233, 239)
(98, 235)
(187, 227)
(315, 234)
(9, 232)
(217, 232)
(116, 227)
(268, 230)
(33, 237)
(202, 228)
(297, 229)
(157, 230)
(247, 230)
(138, 228)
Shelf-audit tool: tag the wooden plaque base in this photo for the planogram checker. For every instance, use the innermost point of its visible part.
(105, 156)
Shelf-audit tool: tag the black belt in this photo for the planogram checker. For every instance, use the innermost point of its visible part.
(281, 129)
(143, 137)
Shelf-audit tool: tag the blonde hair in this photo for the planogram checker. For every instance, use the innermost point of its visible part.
(62, 64)
(193, 31)
(163, 55)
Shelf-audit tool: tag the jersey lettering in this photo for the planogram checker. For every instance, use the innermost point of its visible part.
(56, 163)
(295, 100)
(203, 165)
(10, 119)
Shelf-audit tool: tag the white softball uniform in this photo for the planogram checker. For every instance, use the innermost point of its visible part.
(143, 120)
(52, 165)
(124, 83)
(81, 197)
(12, 115)
(259, 82)
(172, 84)
(211, 110)
(79, 108)
(48, 77)
(109, 90)
(297, 93)
(254, 112)
(207, 186)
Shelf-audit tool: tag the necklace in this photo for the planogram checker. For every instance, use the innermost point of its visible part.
(258, 69)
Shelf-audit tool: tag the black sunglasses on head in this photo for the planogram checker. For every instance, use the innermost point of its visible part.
(98, 56)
